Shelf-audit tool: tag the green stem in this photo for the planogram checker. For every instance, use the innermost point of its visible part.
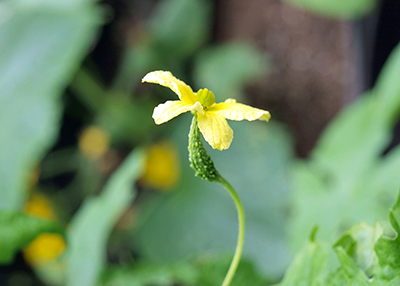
(201, 162)
(240, 241)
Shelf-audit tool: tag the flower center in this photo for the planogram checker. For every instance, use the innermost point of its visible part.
(205, 97)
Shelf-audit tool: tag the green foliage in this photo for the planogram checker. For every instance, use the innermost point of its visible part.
(338, 8)
(227, 68)
(144, 274)
(211, 272)
(179, 27)
(17, 230)
(199, 217)
(92, 225)
(208, 271)
(365, 255)
(388, 249)
(42, 44)
(358, 242)
(346, 179)
(115, 110)
(308, 264)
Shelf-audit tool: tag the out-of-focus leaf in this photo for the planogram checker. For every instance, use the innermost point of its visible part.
(226, 69)
(41, 44)
(126, 120)
(199, 217)
(308, 265)
(17, 230)
(347, 180)
(361, 131)
(342, 9)
(366, 257)
(142, 274)
(116, 112)
(212, 271)
(136, 62)
(93, 223)
(180, 27)
(384, 179)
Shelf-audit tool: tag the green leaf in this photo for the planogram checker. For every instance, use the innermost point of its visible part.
(144, 274)
(92, 225)
(199, 217)
(388, 249)
(346, 179)
(18, 229)
(227, 68)
(349, 270)
(358, 242)
(342, 9)
(359, 134)
(42, 44)
(180, 27)
(212, 271)
(366, 257)
(307, 266)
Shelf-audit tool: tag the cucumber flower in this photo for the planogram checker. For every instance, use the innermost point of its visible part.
(211, 116)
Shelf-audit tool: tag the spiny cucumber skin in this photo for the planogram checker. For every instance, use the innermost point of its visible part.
(199, 160)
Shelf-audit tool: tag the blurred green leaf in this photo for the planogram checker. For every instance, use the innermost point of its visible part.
(342, 9)
(346, 179)
(199, 217)
(212, 271)
(143, 274)
(92, 225)
(41, 44)
(366, 257)
(116, 111)
(227, 68)
(18, 229)
(180, 27)
(308, 265)
(126, 120)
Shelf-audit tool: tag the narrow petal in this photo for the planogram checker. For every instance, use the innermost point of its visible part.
(166, 79)
(232, 110)
(170, 109)
(215, 130)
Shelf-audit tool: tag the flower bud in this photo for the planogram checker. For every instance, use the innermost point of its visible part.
(200, 161)
(205, 97)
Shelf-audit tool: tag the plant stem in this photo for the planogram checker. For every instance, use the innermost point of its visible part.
(240, 241)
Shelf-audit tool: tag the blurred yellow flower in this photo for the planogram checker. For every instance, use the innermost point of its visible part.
(94, 142)
(162, 167)
(45, 247)
(211, 116)
(38, 205)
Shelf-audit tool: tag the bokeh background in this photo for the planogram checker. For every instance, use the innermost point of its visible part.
(78, 144)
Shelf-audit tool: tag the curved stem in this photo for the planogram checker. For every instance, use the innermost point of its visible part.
(240, 241)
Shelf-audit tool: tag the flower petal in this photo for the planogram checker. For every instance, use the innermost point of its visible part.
(172, 108)
(166, 79)
(215, 130)
(232, 110)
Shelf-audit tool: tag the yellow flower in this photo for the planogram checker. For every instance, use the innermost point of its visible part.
(162, 167)
(45, 247)
(38, 205)
(94, 142)
(211, 116)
